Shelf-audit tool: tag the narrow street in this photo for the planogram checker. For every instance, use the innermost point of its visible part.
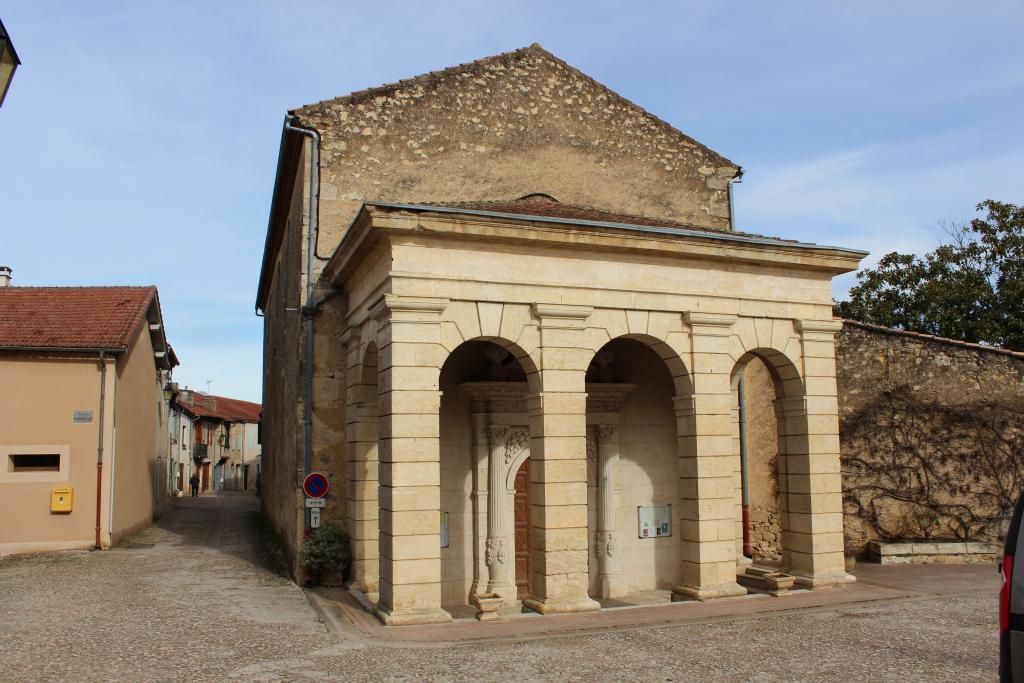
(200, 596)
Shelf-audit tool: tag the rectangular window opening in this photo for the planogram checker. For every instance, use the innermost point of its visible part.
(34, 462)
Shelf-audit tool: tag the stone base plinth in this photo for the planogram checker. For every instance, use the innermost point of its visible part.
(559, 605)
(412, 616)
(729, 590)
(933, 552)
(612, 585)
(824, 580)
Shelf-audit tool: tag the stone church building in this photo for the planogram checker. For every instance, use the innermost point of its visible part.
(506, 312)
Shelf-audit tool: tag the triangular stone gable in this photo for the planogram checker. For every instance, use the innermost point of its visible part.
(505, 126)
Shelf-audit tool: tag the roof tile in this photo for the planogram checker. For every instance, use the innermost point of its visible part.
(72, 317)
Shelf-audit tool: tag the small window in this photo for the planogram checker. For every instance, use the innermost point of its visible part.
(34, 462)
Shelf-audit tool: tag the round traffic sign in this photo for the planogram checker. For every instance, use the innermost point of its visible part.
(315, 485)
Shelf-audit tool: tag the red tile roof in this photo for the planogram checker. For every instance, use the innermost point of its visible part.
(218, 407)
(73, 317)
(548, 207)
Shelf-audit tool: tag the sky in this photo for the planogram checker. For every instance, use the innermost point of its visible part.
(138, 142)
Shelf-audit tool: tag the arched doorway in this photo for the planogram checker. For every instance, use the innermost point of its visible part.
(762, 381)
(633, 470)
(484, 473)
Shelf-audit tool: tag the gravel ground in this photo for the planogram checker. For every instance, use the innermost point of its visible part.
(208, 601)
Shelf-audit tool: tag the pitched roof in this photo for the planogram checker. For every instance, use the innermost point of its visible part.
(546, 208)
(218, 407)
(73, 317)
(534, 49)
(921, 336)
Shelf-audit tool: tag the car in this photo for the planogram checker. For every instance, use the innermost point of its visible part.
(1011, 602)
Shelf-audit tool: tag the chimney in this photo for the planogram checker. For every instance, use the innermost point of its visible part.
(5, 276)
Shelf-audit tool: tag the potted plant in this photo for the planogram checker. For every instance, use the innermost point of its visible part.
(326, 554)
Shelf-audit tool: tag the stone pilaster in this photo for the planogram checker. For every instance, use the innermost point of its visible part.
(707, 466)
(499, 558)
(611, 580)
(479, 497)
(558, 469)
(361, 467)
(813, 520)
(410, 359)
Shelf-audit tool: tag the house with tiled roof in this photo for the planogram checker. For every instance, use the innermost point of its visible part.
(83, 416)
(508, 315)
(217, 439)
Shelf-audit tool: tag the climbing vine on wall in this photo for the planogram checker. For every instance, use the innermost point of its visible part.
(914, 470)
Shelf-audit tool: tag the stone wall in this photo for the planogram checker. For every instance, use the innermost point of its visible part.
(762, 461)
(283, 348)
(504, 127)
(931, 437)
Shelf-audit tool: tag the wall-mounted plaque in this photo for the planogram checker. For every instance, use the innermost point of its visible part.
(444, 529)
(82, 416)
(655, 521)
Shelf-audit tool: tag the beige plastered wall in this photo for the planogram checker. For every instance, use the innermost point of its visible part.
(37, 403)
(133, 462)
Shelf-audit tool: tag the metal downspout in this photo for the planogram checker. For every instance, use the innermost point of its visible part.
(732, 212)
(745, 487)
(311, 237)
(99, 447)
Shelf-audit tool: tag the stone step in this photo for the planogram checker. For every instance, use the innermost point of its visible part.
(759, 580)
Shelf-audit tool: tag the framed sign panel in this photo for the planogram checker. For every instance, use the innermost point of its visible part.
(654, 521)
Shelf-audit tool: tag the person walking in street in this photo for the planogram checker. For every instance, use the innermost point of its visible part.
(193, 482)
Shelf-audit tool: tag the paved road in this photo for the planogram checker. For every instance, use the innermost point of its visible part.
(200, 596)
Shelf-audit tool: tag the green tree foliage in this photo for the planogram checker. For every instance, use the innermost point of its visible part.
(971, 288)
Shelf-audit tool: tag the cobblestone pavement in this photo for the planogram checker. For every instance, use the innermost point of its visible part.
(200, 596)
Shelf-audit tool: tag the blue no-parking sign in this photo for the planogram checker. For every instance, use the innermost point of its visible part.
(315, 485)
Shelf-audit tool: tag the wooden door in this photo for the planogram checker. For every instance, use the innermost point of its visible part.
(522, 506)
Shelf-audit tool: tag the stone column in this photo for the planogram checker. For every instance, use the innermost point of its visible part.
(558, 469)
(361, 468)
(611, 581)
(410, 357)
(479, 495)
(707, 467)
(813, 520)
(498, 556)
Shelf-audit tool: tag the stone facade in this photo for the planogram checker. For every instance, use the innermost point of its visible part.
(931, 440)
(499, 396)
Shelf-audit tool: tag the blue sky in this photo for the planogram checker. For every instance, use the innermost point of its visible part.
(138, 142)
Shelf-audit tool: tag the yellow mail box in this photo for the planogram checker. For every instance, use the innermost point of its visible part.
(60, 499)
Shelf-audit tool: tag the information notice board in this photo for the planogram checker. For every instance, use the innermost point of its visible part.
(654, 521)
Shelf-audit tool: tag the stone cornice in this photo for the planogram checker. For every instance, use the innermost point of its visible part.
(496, 397)
(562, 315)
(607, 398)
(408, 308)
(433, 223)
(826, 326)
(700, 319)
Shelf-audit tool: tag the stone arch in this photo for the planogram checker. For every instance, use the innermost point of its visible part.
(485, 382)
(364, 472)
(773, 406)
(633, 384)
(525, 360)
(677, 368)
